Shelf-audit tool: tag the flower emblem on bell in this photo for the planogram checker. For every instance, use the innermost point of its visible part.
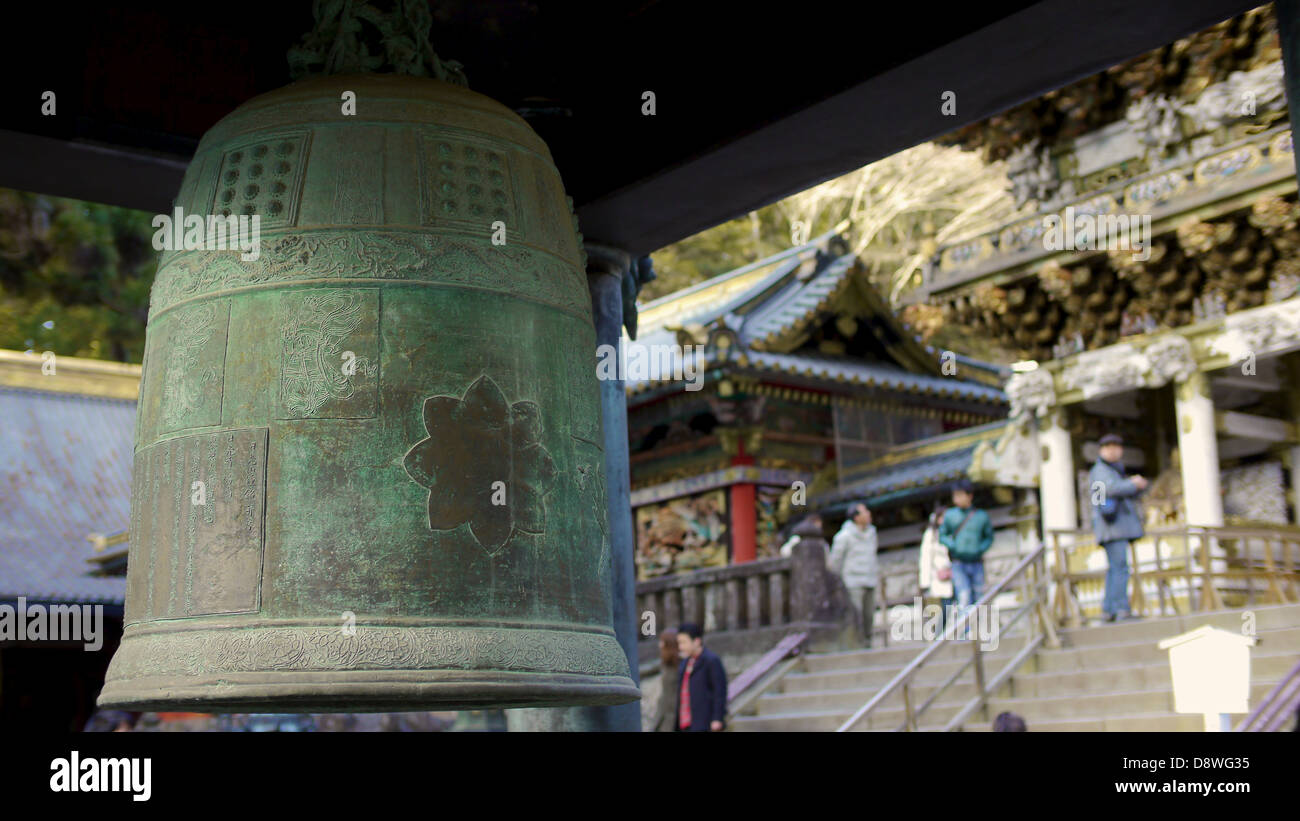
(483, 464)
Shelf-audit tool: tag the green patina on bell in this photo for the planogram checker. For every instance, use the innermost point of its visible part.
(368, 472)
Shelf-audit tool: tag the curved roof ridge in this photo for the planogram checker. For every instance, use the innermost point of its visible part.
(736, 272)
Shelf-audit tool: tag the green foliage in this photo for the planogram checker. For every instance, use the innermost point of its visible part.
(720, 249)
(74, 276)
(899, 210)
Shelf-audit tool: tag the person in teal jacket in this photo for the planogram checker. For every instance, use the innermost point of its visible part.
(967, 532)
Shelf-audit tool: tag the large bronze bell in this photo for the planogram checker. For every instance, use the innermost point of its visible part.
(368, 471)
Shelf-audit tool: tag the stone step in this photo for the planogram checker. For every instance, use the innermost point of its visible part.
(1106, 683)
(1081, 705)
(1102, 704)
(1272, 617)
(884, 718)
(821, 721)
(1025, 684)
(852, 699)
(1131, 723)
(1098, 707)
(873, 678)
(1108, 678)
(896, 655)
(856, 660)
(830, 720)
(1277, 641)
(1094, 657)
(1145, 651)
(866, 678)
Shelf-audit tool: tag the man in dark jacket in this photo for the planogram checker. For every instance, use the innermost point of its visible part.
(1115, 520)
(701, 684)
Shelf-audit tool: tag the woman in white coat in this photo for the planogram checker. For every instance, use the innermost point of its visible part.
(936, 568)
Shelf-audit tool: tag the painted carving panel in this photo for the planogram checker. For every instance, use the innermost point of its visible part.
(197, 522)
(193, 369)
(329, 349)
(682, 535)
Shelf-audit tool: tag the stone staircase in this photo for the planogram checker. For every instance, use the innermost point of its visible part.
(1105, 678)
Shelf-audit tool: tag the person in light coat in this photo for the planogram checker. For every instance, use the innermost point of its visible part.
(853, 559)
(936, 569)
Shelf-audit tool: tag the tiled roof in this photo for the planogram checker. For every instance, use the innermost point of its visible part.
(798, 301)
(915, 466)
(872, 374)
(65, 472)
(919, 473)
(817, 368)
(714, 298)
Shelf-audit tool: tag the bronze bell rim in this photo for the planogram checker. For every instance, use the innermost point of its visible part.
(298, 668)
(364, 692)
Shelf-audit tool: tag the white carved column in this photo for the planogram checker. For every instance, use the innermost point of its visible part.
(1198, 448)
(1033, 395)
(1289, 369)
(1057, 493)
(1295, 483)
(1059, 504)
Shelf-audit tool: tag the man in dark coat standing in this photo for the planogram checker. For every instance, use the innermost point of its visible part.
(1116, 520)
(701, 684)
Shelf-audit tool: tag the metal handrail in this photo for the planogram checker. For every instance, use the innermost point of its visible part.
(751, 681)
(1281, 702)
(1029, 648)
(904, 678)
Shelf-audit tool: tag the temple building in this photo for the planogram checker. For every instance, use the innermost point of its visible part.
(1149, 289)
(67, 439)
(1147, 286)
(785, 387)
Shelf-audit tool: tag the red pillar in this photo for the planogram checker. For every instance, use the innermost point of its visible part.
(744, 513)
(744, 524)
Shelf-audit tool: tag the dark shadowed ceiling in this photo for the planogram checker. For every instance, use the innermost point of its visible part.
(755, 100)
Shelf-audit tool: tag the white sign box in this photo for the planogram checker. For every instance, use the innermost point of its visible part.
(1211, 670)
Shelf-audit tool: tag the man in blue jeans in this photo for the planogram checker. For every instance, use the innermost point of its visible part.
(1115, 520)
(967, 532)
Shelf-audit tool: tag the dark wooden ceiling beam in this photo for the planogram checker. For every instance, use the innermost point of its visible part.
(640, 185)
(1015, 59)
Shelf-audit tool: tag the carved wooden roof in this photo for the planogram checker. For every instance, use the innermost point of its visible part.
(1186, 149)
(1180, 70)
(1224, 239)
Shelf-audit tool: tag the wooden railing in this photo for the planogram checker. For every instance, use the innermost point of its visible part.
(1184, 569)
(795, 591)
(782, 591)
(754, 594)
(1032, 580)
